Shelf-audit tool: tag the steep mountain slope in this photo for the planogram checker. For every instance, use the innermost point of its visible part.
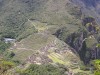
(43, 48)
(89, 8)
(15, 13)
(52, 31)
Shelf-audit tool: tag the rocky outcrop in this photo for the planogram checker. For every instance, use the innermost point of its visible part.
(84, 41)
(78, 43)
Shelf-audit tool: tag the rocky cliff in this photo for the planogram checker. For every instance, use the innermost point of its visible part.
(85, 41)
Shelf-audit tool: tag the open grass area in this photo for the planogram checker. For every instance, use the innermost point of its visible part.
(21, 55)
(39, 26)
(91, 41)
(56, 58)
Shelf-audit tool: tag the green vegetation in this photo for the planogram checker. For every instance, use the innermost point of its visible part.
(5, 66)
(90, 41)
(43, 70)
(98, 45)
(97, 66)
(15, 16)
(56, 58)
(9, 54)
(32, 23)
(81, 73)
(4, 46)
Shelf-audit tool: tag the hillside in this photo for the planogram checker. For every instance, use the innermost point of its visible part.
(89, 8)
(15, 13)
(43, 48)
(53, 32)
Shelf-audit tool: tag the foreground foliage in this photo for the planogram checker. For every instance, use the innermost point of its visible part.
(97, 66)
(5, 66)
(43, 70)
(3, 46)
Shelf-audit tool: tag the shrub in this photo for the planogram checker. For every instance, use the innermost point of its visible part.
(42, 70)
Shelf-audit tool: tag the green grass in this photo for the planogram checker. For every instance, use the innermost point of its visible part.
(14, 16)
(55, 58)
(90, 42)
(21, 55)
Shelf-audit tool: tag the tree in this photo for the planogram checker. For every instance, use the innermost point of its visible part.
(5, 66)
(42, 70)
(3, 46)
(96, 64)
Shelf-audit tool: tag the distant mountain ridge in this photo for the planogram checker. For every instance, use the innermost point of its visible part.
(89, 8)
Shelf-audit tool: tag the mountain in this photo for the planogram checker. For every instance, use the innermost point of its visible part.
(89, 8)
(15, 13)
(52, 31)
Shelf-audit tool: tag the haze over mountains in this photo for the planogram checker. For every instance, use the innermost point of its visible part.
(57, 32)
(89, 7)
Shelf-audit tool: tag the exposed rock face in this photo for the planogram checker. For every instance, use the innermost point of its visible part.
(78, 43)
(95, 53)
(84, 41)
